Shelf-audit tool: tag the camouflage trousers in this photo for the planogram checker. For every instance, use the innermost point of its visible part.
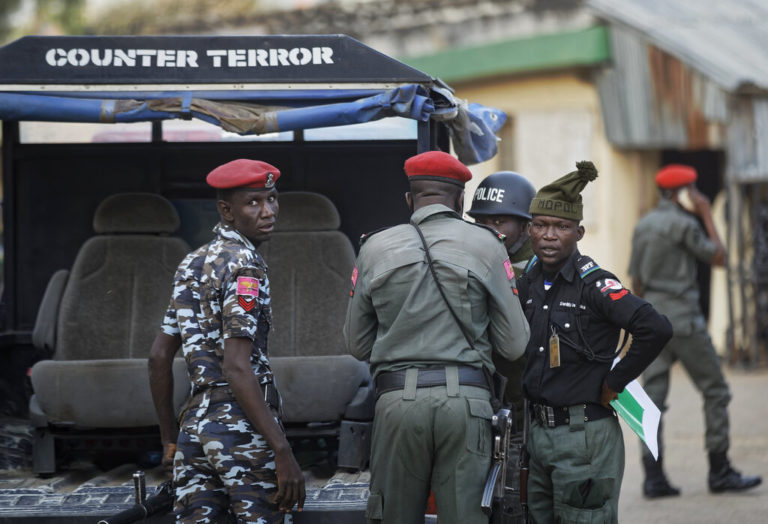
(223, 470)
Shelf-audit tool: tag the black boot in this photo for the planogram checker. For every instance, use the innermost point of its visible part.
(722, 477)
(656, 484)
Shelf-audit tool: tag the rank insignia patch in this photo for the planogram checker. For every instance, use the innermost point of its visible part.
(246, 303)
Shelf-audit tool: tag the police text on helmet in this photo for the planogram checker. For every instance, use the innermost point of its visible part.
(489, 193)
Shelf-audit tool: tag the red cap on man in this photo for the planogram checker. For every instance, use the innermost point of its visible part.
(438, 166)
(251, 174)
(675, 175)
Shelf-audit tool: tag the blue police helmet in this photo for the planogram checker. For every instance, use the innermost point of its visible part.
(503, 193)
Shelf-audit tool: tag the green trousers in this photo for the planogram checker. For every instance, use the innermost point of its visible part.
(434, 438)
(575, 470)
(697, 355)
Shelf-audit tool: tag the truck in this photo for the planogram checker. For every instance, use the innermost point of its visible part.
(106, 141)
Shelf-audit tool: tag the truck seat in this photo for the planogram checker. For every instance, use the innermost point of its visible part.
(310, 263)
(99, 319)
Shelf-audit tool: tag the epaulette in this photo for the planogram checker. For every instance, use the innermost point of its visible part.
(587, 267)
(530, 264)
(498, 235)
(365, 236)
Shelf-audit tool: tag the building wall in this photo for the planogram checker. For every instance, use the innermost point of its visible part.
(555, 121)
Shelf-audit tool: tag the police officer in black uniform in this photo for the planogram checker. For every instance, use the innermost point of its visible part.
(576, 311)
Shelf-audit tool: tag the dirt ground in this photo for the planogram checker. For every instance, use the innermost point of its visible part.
(686, 460)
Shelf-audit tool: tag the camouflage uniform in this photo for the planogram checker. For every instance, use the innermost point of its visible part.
(222, 464)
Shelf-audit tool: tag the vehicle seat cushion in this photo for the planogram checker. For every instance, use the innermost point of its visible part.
(305, 211)
(318, 389)
(117, 293)
(135, 213)
(310, 282)
(102, 393)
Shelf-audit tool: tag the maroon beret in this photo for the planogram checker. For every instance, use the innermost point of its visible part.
(675, 175)
(253, 174)
(436, 165)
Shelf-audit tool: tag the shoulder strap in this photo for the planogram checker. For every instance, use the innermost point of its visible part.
(587, 268)
(531, 262)
(430, 262)
(366, 236)
(495, 233)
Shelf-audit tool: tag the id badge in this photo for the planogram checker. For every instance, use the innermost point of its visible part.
(554, 350)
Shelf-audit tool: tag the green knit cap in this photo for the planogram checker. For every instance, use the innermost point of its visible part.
(562, 198)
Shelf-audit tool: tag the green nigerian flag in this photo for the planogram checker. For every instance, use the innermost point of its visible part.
(640, 413)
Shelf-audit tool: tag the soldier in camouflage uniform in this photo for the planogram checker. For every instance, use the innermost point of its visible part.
(230, 456)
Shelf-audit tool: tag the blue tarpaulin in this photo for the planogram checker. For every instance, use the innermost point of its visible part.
(472, 127)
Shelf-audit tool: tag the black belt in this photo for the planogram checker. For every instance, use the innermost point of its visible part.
(549, 416)
(429, 377)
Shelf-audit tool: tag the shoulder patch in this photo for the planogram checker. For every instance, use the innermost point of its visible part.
(354, 281)
(247, 292)
(365, 236)
(611, 288)
(495, 233)
(509, 269)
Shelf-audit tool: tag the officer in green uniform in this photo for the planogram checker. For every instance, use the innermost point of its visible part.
(432, 427)
(666, 245)
(576, 311)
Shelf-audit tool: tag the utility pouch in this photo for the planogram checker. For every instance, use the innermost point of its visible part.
(498, 385)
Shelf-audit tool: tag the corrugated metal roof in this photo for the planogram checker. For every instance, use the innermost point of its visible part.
(651, 99)
(725, 41)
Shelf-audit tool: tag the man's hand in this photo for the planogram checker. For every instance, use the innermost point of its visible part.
(607, 395)
(703, 209)
(290, 481)
(700, 201)
(169, 451)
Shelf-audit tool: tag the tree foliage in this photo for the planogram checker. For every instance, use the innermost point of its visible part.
(142, 17)
(48, 17)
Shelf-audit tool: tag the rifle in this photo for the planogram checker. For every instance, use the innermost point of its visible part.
(493, 494)
(160, 502)
(524, 460)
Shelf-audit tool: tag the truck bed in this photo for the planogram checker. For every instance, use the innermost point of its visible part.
(84, 493)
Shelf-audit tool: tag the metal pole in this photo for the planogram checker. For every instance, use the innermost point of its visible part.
(140, 487)
(730, 336)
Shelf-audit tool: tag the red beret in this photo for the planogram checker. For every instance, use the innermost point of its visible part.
(675, 175)
(253, 174)
(436, 165)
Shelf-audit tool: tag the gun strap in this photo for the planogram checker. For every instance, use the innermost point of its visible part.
(496, 382)
(431, 264)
